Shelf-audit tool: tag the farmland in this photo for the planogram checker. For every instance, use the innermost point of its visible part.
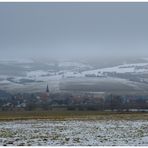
(73, 128)
(64, 115)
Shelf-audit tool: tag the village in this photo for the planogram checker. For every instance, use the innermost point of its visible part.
(72, 101)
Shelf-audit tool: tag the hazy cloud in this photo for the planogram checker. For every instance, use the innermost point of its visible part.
(73, 29)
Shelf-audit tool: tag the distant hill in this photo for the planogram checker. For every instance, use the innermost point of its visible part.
(34, 75)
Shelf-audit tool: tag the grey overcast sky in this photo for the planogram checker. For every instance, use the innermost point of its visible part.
(73, 29)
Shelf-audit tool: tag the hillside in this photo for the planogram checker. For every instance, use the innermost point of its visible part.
(33, 76)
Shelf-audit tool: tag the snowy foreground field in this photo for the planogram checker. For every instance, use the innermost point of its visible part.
(74, 132)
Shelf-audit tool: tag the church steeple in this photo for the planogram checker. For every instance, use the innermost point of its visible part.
(47, 89)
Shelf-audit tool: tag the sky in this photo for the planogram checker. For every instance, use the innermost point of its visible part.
(69, 30)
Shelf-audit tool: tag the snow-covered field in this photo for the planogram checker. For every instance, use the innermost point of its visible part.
(74, 132)
(124, 68)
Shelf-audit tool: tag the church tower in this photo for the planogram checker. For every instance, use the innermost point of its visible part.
(47, 90)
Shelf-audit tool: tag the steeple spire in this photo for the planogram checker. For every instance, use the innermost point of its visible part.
(47, 89)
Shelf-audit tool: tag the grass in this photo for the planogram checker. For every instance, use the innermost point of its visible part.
(64, 115)
(6, 133)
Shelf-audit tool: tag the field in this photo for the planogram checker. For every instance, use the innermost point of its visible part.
(73, 128)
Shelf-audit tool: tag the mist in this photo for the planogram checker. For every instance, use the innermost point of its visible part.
(73, 30)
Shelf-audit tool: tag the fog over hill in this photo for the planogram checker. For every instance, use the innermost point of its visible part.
(28, 75)
(73, 47)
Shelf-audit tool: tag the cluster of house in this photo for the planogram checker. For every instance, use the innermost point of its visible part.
(46, 100)
(71, 101)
